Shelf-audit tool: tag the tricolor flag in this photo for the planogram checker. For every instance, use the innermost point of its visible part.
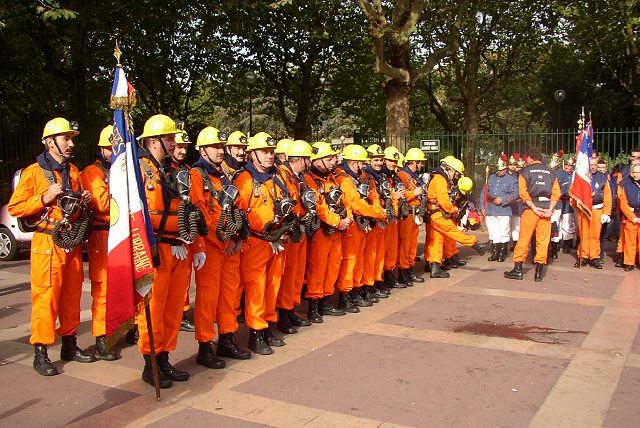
(580, 190)
(130, 268)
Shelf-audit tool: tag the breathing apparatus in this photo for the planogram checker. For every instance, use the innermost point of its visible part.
(333, 199)
(191, 222)
(231, 221)
(310, 221)
(384, 188)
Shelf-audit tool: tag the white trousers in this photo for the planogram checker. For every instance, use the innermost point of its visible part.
(515, 227)
(499, 228)
(555, 218)
(567, 226)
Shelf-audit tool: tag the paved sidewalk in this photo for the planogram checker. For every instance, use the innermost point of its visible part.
(472, 350)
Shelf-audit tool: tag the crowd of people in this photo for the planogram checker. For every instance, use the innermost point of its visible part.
(264, 224)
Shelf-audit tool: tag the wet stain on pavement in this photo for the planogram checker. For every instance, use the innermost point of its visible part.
(532, 333)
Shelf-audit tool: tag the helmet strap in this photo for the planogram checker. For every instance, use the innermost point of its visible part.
(55, 142)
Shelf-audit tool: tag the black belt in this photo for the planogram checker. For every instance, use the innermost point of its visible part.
(170, 241)
(42, 230)
(100, 227)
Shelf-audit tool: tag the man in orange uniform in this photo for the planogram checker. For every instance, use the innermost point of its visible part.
(263, 195)
(356, 194)
(162, 188)
(629, 194)
(217, 281)
(324, 253)
(408, 227)
(298, 154)
(56, 272)
(441, 210)
(634, 159)
(540, 192)
(95, 179)
(235, 157)
(589, 228)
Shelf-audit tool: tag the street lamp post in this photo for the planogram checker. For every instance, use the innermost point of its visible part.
(250, 79)
(559, 96)
(342, 138)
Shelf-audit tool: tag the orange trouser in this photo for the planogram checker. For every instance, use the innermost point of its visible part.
(621, 242)
(589, 232)
(373, 260)
(98, 261)
(293, 276)
(260, 275)
(187, 303)
(407, 242)
(229, 295)
(324, 255)
(440, 229)
(391, 253)
(631, 234)
(207, 290)
(449, 248)
(170, 282)
(56, 288)
(529, 223)
(353, 242)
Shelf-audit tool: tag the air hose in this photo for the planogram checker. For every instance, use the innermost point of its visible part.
(230, 223)
(190, 222)
(68, 235)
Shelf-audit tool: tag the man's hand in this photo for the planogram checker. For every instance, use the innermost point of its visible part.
(636, 220)
(497, 200)
(86, 197)
(418, 191)
(344, 224)
(395, 194)
(54, 191)
(199, 259)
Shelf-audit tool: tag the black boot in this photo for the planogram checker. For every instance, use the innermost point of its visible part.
(480, 248)
(297, 321)
(578, 264)
(516, 273)
(186, 324)
(595, 263)
(257, 343)
(404, 277)
(101, 350)
(415, 278)
(328, 309)
(502, 252)
(228, 347)
(271, 339)
(566, 246)
(132, 336)
(368, 296)
(457, 260)
(554, 250)
(71, 352)
(494, 248)
(539, 272)
(313, 313)
(345, 303)
(390, 280)
(284, 323)
(436, 272)
(356, 298)
(619, 259)
(380, 292)
(147, 374)
(171, 372)
(41, 362)
(207, 357)
(379, 285)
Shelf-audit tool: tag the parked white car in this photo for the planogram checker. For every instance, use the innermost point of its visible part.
(12, 237)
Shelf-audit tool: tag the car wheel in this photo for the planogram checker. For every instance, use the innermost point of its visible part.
(8, 245)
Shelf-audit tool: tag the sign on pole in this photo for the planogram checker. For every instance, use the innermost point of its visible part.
(430, 146)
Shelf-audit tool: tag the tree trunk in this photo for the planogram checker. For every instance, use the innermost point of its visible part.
(397, 108)
(470, 125)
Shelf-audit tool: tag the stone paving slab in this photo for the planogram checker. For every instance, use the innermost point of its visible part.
(194, 418)
(414, 383)
(624, 410)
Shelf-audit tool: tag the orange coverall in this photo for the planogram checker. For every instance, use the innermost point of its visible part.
(260, 269)
(391, 236)
(56, 276)
(375, 245)
(171, 278)
(354, 238)
(630, 230)
(589, 229)
(94, 179)
(324, 253)
(530, 222)
(407, 228)
(441, 227)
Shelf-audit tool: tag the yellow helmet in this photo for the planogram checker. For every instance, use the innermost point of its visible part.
(375, 150)
(456, 165)
(159, 124)
(106, 135)
(391, 153)
(60, 125)
(299, 148)
(281, 147)
(447, 159)
(402, 160)
(321, 149)
(261, 140)
(355, 152)
(415, 154)
(183, 138)
(210, 136)
(237, 138)
(465, 184)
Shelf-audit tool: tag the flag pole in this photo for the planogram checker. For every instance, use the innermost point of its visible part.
(581, 213)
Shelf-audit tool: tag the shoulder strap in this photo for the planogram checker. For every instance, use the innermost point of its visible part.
(48, 174)
(207, 184)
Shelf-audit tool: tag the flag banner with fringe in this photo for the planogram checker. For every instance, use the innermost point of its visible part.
(580, 190)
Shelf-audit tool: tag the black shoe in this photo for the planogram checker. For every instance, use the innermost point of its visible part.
(595, 263)
(390, 280)
(171, 372)
(326, 308)
(147, 374)
(566, 246)
(132, 336)
(449, 264)
(207, 357)
(457, 260)
(539, 272)
(43, 365)
(417, 259)
(345, 303)
(271, 339)
(494, 252)
(502, 252)
(101, 350)
(415, 278)
(228, 347)
(240, 319)
(404, 277)
(627, 268)
(480, 248)
(71, 352)
(297, 321)
(284, 323)
(356, 298)
(380, 293)
(379, 285)
(619, 259)
(584, 263)
(313, 314)
(186, 324)
(257, 343)
(516, 272)
(368, 296)
(436, 272)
